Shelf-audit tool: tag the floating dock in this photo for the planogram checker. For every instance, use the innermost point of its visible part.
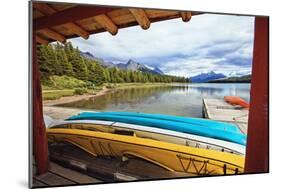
(219, 110)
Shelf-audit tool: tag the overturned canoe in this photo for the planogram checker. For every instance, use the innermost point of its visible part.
(172, 157)
(201, 129)
(235, 100)
(194, 121)
(152, 133)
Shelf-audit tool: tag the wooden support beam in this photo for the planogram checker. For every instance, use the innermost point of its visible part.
(69, 15)
(257, 151)
(41, 40)
(53, 35)
(106, 23)
(141, 18)
(73, 27)
(186, 16)
(40, 145)
(44, 8)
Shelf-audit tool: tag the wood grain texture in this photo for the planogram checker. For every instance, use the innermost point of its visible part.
(40, 146)
(257, 152)
(69, 15)
(53, 35)
(107, 24)
(73, 27)
(141, 18)
(41, 40)
(186, 16)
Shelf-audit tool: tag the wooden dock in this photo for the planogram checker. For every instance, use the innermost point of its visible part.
(219, 110)
(69, 165)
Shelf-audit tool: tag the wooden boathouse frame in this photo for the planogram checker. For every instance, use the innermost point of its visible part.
(61, 21)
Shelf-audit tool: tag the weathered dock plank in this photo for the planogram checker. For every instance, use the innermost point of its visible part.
(71, 175)
(219, 110)
(108, 169)
(59, 176)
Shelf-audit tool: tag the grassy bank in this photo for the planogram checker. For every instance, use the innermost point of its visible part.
(132, 85)
(56, 94)
(53, 93)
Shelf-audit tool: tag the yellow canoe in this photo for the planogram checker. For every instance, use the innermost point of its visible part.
(153, 133)
(172, 157)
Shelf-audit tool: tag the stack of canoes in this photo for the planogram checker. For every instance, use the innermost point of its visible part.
(191, 145)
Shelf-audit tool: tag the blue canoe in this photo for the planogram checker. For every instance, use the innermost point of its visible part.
(194, 121)
(172, 123)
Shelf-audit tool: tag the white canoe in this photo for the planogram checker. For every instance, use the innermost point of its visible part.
(151, 133)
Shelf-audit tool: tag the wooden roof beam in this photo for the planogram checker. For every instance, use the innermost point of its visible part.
(106, 23)
(53, 35)
(69, 15)
(141, 18)
(73, 27)
(41, 40)
(44, 8)
(186, 16)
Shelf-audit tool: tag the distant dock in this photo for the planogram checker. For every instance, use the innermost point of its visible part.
(219, 110)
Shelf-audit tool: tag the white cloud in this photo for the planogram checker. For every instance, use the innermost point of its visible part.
(177, 47)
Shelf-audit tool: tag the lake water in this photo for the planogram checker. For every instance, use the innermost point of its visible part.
(175, 99)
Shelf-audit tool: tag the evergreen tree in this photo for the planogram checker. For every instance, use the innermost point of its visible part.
(66, 67)
(65, 60)
(79, 67)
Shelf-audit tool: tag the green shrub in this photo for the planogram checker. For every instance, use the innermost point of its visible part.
(80, 91)
(63, 82)
(56, 94)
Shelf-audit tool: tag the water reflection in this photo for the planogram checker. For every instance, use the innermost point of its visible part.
(176, 99)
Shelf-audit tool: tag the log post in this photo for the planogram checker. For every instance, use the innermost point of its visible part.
(257, 151)
(40, 146)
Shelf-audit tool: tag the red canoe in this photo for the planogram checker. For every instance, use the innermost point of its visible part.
(235, 100)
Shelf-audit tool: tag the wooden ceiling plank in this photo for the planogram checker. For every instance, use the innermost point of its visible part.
(106, 23)
(186, 16)
(73, 27)
(69, 15)
(141, 18)
(41, 40)
(77, 30)
(44, 8)
(53, 35)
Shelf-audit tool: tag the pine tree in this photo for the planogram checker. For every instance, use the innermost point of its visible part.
(80, 70)
(66, 67)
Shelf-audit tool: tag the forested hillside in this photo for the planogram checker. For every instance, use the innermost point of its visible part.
(241, 79)
(67, 62)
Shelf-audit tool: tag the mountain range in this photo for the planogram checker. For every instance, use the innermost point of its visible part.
(130, 65)
(205, 77)
(236, 79)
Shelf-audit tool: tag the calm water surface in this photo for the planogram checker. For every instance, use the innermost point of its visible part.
(175, 99)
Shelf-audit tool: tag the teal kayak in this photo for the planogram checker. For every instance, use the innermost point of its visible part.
(194, 121)
(172, 123)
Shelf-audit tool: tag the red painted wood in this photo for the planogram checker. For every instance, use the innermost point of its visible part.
(40, 146)
(257, 152)
(69, 15)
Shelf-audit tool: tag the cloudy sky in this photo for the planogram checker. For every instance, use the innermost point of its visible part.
(208, 42)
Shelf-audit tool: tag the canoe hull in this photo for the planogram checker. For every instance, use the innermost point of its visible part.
(156, 134)
(172, 157)
(178, 126)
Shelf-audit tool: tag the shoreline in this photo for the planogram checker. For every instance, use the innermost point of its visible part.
(74, 98)
(103, 91)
